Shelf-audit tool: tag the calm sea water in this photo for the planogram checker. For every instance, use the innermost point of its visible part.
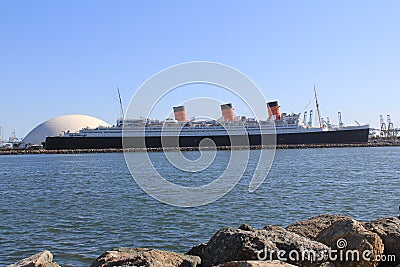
(78, 206)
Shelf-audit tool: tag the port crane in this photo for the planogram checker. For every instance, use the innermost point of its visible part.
(387, 129)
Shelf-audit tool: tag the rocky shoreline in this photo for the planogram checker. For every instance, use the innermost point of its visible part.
(117, 150)
(324, 240)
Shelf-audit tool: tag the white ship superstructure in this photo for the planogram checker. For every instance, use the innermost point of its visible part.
(284, 129)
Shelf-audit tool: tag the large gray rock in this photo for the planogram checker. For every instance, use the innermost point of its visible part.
(197, 250)
(311, 227)
(42, 259)
(389, 230)
(230, 244)
(348, 236)
(256, 264)
(133, 257)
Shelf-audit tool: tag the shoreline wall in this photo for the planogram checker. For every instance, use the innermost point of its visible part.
(117, 150)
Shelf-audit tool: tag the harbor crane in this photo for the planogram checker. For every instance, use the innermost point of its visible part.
(310, 122)
(341, 124)
(387, 129)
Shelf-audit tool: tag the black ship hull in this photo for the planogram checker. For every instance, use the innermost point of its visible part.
(348, 136)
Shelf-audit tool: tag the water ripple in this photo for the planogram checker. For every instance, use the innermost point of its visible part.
(78, 206)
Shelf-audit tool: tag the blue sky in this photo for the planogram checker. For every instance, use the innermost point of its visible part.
(62, 57)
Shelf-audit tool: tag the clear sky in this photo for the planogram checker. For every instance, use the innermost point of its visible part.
(62, 57)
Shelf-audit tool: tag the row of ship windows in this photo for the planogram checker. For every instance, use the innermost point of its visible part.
(190, 129)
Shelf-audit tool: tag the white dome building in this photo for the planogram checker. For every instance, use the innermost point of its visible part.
(58, 125)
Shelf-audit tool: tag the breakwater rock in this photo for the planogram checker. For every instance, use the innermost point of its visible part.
(313, 226)
(350, 235)
(42, 259)
(246, 243)
(144, 257)
(324, 240)
(388, 230)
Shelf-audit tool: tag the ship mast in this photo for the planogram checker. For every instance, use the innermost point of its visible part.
(317, 105)
(120, 103)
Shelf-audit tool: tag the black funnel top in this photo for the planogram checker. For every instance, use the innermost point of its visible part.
(179, 108)
(273, 104)
(226, 106)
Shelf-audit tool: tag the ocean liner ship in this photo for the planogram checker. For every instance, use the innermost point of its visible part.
(283, 128)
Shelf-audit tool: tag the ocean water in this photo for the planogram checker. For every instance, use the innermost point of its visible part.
(78, 206)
